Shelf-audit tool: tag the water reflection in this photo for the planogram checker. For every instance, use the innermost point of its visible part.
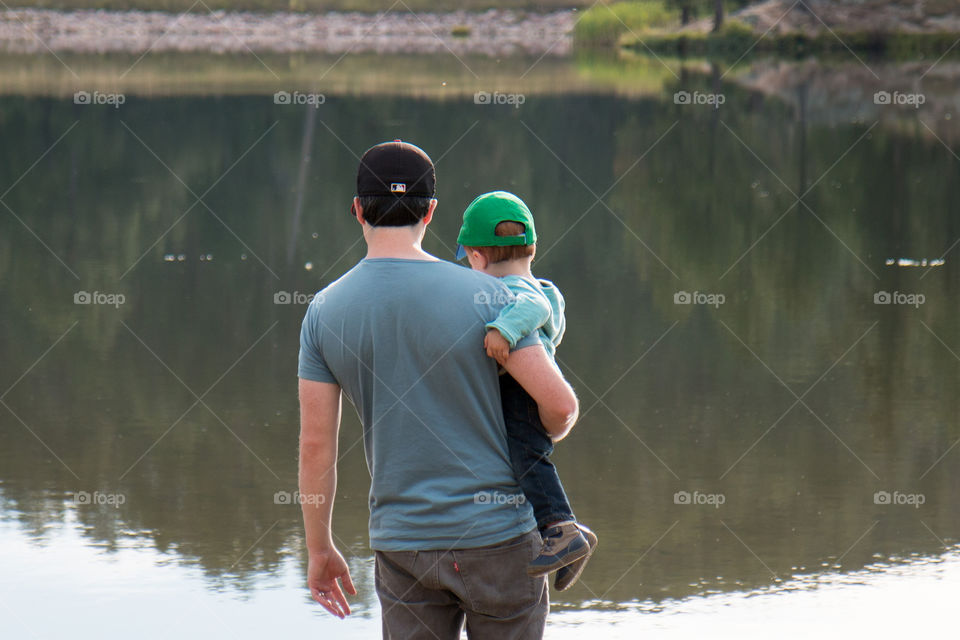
(797, 399)
(107, 592)
(889, 598)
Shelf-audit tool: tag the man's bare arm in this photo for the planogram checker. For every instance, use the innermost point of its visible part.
(319, 426)
(539, 376)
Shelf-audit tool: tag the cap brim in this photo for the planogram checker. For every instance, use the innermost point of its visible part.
(461, 252)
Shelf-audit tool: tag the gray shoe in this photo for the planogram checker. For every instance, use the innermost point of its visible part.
(568, 575)
(562, 544)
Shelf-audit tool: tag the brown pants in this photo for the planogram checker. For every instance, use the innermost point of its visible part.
(429, 595)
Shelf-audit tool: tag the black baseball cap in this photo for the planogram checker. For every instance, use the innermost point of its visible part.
(396, 169)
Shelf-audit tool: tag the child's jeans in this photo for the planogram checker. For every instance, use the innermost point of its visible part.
(530, 449)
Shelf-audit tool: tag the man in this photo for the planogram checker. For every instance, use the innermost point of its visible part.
(401, 335)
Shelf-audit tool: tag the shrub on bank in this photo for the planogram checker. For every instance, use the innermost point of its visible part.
(603, 24)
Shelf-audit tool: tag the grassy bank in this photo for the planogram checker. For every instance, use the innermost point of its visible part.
(605, 24)
(367, 6)
(655, 25)
(737, 39)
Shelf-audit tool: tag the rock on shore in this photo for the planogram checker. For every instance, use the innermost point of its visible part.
(494, 32)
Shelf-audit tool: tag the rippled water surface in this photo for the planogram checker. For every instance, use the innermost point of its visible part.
(769, 397)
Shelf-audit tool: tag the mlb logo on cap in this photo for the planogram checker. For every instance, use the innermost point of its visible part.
(398, 187)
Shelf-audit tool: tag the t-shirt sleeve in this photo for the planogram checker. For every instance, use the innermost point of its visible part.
(521, 317)
(312, 365)
(528, 341)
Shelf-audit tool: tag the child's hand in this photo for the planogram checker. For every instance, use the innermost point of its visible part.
(497, 346)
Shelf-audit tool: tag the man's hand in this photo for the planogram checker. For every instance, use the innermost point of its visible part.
(319, 424)
(323, 571)
(497, 346)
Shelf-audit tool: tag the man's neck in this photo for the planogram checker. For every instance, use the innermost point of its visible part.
(396, 242)
(510, 268)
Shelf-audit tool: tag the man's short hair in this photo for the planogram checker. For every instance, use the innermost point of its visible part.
(513, 252)
(394, 211)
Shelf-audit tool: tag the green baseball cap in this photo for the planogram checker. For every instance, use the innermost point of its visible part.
(481, 217)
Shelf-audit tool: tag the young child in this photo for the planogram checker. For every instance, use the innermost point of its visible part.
(498, 238)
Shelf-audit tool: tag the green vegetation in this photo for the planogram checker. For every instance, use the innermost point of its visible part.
(655, 25)
(733, 38)
(604, 24)
(736, 39)
(319, 6)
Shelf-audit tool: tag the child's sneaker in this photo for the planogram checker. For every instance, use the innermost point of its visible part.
(569, 574)
(562, 544)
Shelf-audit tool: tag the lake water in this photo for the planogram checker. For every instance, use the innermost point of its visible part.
(767, 447)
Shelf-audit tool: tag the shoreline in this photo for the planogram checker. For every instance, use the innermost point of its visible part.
(781, 27)
(735, 42)
(495, 32)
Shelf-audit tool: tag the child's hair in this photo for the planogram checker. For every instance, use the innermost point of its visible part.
(512, 252)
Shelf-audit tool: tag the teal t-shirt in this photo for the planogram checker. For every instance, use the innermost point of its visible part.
(537, 307)
(404, 340)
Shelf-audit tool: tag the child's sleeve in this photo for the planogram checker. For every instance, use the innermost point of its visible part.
(525, 315)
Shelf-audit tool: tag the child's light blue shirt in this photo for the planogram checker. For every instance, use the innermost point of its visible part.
(538, 307)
